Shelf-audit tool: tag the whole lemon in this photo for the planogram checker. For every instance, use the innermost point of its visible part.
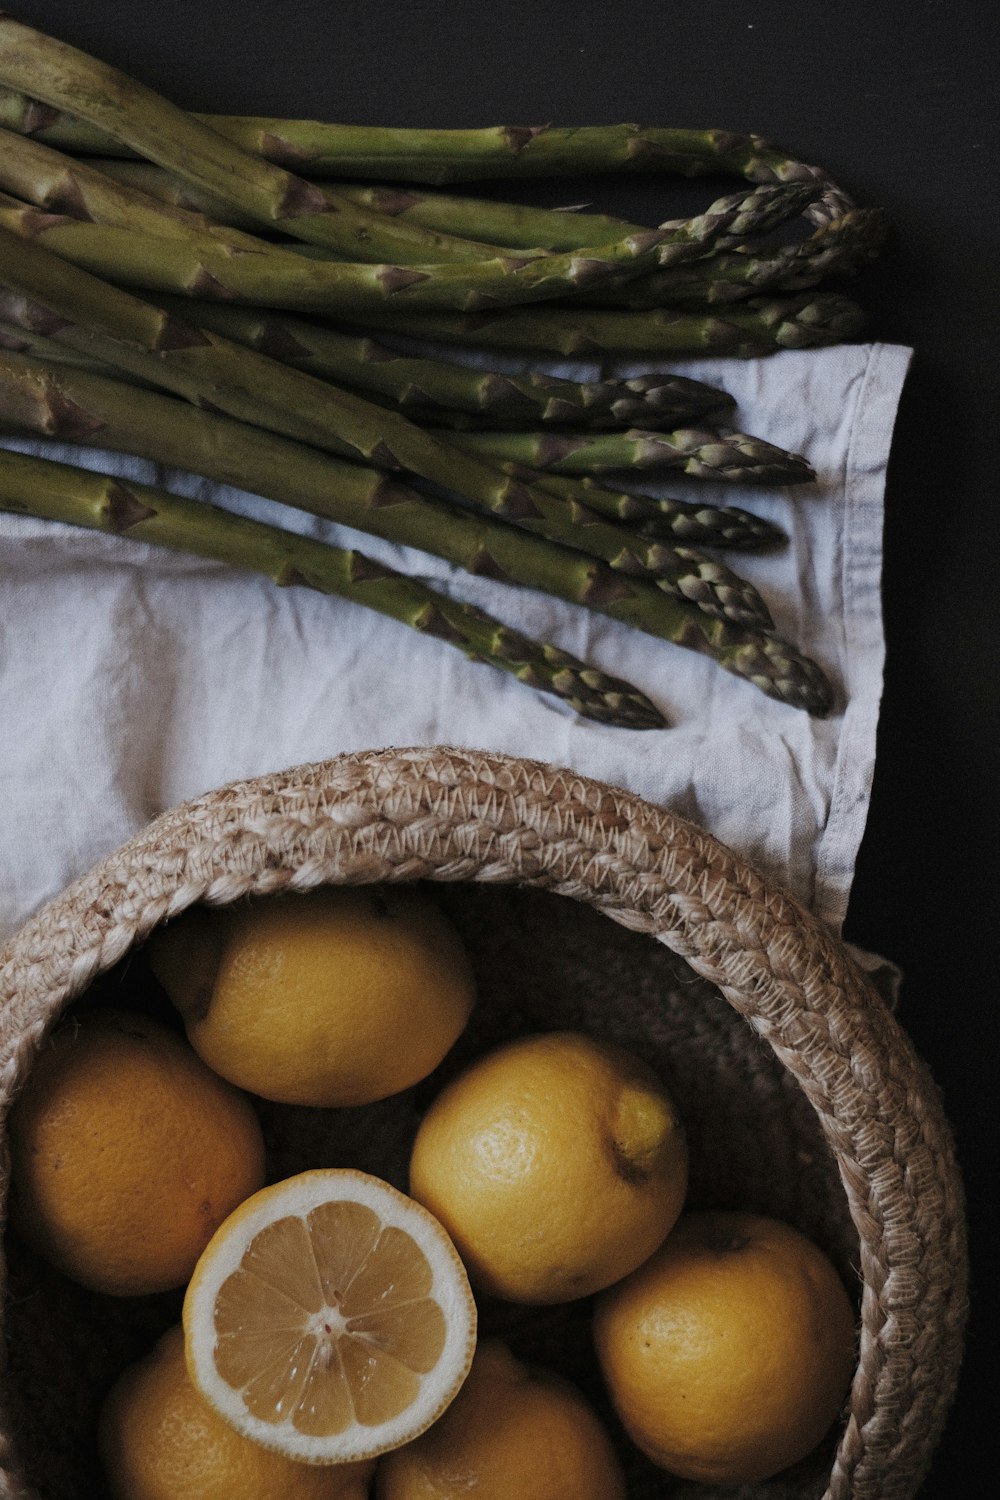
(509, 1434)
(340, 996)
(127, 1153)
(728, 1354)
(159, 1440)
(557, 1164)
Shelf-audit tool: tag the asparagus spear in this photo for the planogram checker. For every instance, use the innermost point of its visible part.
(427, 385)
(34, 486)
(516, 226)
(683, 521)
(61, 75)
(75, 405)
(839, 245)
(57, 183)
(319, 149)
(844, 238)
(59, 492)
(201, 263)
(665, 519)
(439, 156)
(750, 328)
(104, 322)
(698, 452)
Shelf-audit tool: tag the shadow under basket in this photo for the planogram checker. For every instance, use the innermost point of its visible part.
(801, 1096)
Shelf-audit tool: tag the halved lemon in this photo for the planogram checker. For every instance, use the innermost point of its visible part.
(329, 1318)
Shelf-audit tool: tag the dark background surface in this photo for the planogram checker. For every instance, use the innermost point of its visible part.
(899, 102)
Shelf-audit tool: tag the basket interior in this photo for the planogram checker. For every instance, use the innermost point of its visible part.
(543, 962)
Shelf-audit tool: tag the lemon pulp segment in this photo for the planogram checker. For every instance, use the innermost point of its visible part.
(328, 1320)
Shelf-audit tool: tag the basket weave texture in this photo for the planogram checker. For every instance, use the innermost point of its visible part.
(801, 1095)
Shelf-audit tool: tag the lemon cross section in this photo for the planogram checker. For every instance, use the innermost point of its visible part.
(329, 1318)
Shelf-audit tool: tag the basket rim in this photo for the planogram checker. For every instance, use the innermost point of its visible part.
(449, 814)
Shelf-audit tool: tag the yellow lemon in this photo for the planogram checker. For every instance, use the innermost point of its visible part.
(557, 1164)
(330, 1318)
(340, 996)
(729, 1354)
(159, 1440)
(510, 1434)
(127, 1153)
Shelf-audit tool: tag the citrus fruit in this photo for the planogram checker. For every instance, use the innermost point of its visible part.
(511, 1433)
(556, 1163)
(729, 1353)
(127, 1154)
(340, 996)
(330, 1318)
(159, 1440)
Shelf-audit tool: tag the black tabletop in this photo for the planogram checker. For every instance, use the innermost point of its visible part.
(897, 99)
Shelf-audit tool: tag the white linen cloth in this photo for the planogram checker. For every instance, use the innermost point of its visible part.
(132, 678)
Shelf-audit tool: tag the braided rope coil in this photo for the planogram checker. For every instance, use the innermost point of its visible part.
(464, 816)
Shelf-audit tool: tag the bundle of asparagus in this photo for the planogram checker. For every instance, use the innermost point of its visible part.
(148, 255)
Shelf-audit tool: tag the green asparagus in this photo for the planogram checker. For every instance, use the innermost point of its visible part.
(201, 264)
(837, 247)
(437, 157)
(433, 387)
(51, 296)
(270, 402)
(78, 497)
(698, 452)
(683, 522)
(756, 655)
(843, 240)
(515, 226)
(103, 321)
(747, 329)
(61, 75)
(75, 405)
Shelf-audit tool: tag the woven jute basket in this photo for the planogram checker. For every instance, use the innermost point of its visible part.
(801, 1095)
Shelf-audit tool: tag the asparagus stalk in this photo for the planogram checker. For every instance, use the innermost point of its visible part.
(440, 156)
(683, 521)
(61, 76)
(516, 226)
(839, 245)
(34, 486)
(101, 321)
(436, 157)
(77, 406)
(59, 492)
(665, 519)
(61, 185)
(752, 328)
(431, 386)
(17, 340)
(698, 452)
(199, 263)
